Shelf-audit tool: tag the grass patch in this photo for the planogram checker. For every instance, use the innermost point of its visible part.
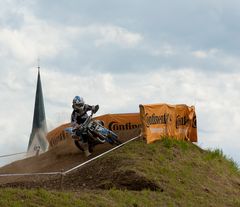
(39, 197)
(218, 156)
(170, 142)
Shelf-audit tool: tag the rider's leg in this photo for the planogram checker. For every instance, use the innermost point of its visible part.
(83, 142)
(84, 137)
(86, 145)
(79, 135)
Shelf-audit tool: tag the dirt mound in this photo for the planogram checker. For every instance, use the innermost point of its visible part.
(174, 172)
(59, 159)
(104, 173)
(62, 157)
(88, 179)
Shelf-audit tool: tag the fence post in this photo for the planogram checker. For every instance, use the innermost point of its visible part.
(61, 180)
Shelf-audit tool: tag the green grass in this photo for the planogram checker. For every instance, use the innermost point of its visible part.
(186, 176)
(189, 175)
(218, 156)
(113, 197)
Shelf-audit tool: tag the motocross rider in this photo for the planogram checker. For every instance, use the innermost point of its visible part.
(78, 117)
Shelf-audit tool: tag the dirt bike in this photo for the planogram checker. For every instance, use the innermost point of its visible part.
(96, 133)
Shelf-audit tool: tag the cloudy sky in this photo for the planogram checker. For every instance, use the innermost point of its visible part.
(120, 54)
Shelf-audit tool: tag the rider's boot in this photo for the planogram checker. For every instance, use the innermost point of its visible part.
(86, 150)
(90, 147)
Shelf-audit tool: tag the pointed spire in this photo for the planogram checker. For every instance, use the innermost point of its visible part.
(39, 127)
(38, 62)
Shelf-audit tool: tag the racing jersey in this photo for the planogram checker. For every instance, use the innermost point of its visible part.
(79, 117)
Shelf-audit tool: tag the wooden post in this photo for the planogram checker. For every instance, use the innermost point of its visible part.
(61, 180)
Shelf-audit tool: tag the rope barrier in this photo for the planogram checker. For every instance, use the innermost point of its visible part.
(94, 158)
(72, 169)
(9, 155)
(27, 174)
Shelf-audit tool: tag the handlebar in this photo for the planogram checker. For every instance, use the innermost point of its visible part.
(86, 122)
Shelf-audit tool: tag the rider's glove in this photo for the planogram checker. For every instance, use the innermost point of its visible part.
(95, 108)
(78, 127)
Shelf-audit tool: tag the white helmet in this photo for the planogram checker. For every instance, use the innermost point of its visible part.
(78, 103)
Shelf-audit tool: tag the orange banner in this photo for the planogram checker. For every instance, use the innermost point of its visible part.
(121, 122)
(161, 120)
(125, 125)
(57, 135)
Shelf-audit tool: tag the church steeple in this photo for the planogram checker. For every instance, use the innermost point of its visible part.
(38, 139)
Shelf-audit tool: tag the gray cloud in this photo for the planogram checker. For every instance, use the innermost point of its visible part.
(202, 24)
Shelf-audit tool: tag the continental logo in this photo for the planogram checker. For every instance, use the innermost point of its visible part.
(157, 119)
(181, 121)
(55, 140)
(194, 123)
(115, 126)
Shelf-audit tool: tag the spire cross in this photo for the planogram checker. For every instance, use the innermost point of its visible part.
(38, 62)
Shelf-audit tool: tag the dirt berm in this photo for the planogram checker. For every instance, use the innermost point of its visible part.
(59, 159)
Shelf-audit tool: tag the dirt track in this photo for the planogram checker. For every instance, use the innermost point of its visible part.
(61, 158)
